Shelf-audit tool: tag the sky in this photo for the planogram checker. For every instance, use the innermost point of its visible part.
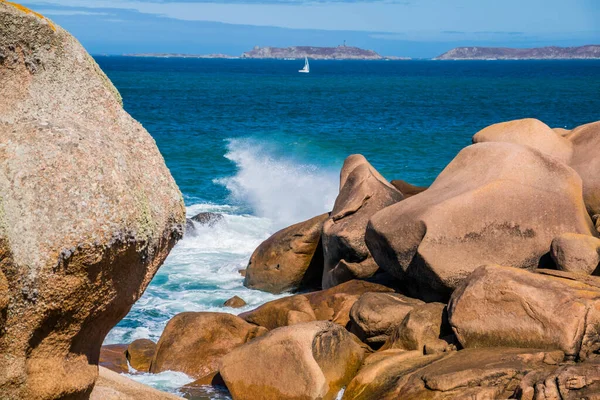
(410, 28)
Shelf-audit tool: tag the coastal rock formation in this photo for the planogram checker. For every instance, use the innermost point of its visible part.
(467, 374)
(586, 161)
(312, 52)
(113, 357)
(313, 360)
(422, 329)
(375, 315)
(495, 202)
(576, 253)
(194, 342)
(140, 353)
(208, 218)
(407, 189)
(291, 259)
(235, 302)
(363, 192)
(332, 304)
(112, 386)
(88, 209)
(505, 306)
(504, 53)
(528, 132)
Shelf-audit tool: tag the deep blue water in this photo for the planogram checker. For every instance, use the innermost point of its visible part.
(264, 144)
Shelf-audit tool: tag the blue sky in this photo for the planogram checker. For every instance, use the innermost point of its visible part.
(414, 28)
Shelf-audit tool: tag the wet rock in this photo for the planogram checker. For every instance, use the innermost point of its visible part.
(407, 189)
(89, 209)
(194, 342)
(494, 203)
(576, 253)
(112, 386)
(363, 192)
(376, 315)
(528, 132)
(208, 218)
(235, 302)
(190, 229)
(112, 356)
(504, 306)
(140, 353)
(291, 259)
(313, 360)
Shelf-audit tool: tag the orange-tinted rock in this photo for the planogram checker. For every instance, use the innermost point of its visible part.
(112, 356)
(586, 161)
(140, 353)
(363, 192)
(494, 203)
(313, 360)
(561, 131)
(281, 312)
(235, 302)
(503, 306)
(576, 253)
(112, 386)
(289, 260)
(376, 315)
(194, 342)
(528, 132)
(89, 209)
(407, 189)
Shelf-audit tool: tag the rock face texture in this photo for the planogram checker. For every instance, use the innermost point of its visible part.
(289, 260)
(235, 302)
(313, 360)
(140, 354)
(113, 357)
(576, 253)
(112, 386)
(504, 306)
(528, 132)
(194, 342)
(407, 189)
(375, 315)
(480, 210)
(88, 209)
(363, 192)
(586, 161)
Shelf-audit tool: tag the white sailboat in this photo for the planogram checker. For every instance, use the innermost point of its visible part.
(306, 68)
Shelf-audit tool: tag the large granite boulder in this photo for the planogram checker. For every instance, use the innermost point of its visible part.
(376, 314)
(308, 361)
(576, 253)
(114, 357)
(505, 306)
(331, 304)
(291, 259)
(467, 374)
(586, 161)
(88, 209)
(497, 203)
(528, 132)
(140, 353)
(363, 192)
(194, 342)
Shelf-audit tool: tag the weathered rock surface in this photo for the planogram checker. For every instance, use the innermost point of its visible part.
(576, 253)
(291, 259)
(88, 209)
(504, 306)
(494, 203)
(331, 304)
(586, 161)
(424, 328)
(363, 192)
(307, 361)
(140, 353)
(467, 374)
(561, 131)
(235, 302)
(209, 219)
(194, 342)
(376, 315)
(528, 132)
(113, 357)
(112, 386)
(407, 189)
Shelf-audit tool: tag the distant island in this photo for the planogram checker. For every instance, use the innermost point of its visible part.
(505, 53)
(294, 52)
(316, 53)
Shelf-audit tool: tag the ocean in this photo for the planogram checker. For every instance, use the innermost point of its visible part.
(263, 145)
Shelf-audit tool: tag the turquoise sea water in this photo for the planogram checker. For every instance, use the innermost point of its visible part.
(263, 144)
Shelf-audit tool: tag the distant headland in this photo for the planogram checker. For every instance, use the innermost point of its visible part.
(505, 53)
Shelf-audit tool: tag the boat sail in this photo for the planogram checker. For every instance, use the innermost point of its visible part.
(306, 68)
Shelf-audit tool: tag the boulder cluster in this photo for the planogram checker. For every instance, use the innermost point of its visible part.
(481, 286)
